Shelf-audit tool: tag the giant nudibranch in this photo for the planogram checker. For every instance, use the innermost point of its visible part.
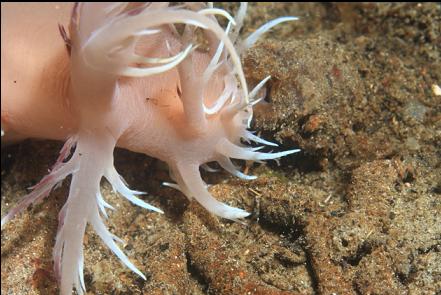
(99, 94)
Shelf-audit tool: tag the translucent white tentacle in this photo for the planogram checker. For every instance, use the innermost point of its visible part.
(172, 185)
(230, 167)
(79, 284)
(251, 39)
(173, 60)
(113, 177)
(41, 190)
(180, 186)
(219, 102)
(143, 72)
(102, 204)
(239, 17)
(116, 32)
(208, 168)
(251, 136)
(214, 62)
(146, 32)
(197, 188)
(217, 11)
(225, 147)
(259, 86)
(256, 101)
(108, 239)
(115, 9)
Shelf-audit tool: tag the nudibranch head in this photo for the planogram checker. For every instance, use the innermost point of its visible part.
(216, 104)
(212, 97)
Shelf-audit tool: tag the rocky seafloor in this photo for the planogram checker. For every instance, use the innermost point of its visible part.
(357, 211)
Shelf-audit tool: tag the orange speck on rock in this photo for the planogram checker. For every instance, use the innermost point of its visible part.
(241, 274)
(312, 124)
(336, 72)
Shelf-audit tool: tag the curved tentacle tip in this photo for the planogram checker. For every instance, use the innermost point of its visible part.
(218, 11)
(172, 185)
(289, 18)
(236, 213)
(118, 185)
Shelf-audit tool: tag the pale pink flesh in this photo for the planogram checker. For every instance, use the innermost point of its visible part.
(34, 71)
(37, 104)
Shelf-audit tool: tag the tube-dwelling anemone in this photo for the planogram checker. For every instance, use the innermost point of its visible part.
(127, 76)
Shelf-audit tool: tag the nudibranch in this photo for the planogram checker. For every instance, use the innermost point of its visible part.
(162, 80)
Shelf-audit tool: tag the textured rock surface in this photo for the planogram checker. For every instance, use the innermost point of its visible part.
(358, 211)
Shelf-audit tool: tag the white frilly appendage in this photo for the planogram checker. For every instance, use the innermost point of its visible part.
(234, 108)
(91, 160)
(189, 182)
(41, 190)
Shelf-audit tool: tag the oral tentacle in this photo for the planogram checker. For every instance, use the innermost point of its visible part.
(115, 32)
(143, 72)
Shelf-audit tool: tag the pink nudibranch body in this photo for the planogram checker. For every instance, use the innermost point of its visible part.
(125, 76)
